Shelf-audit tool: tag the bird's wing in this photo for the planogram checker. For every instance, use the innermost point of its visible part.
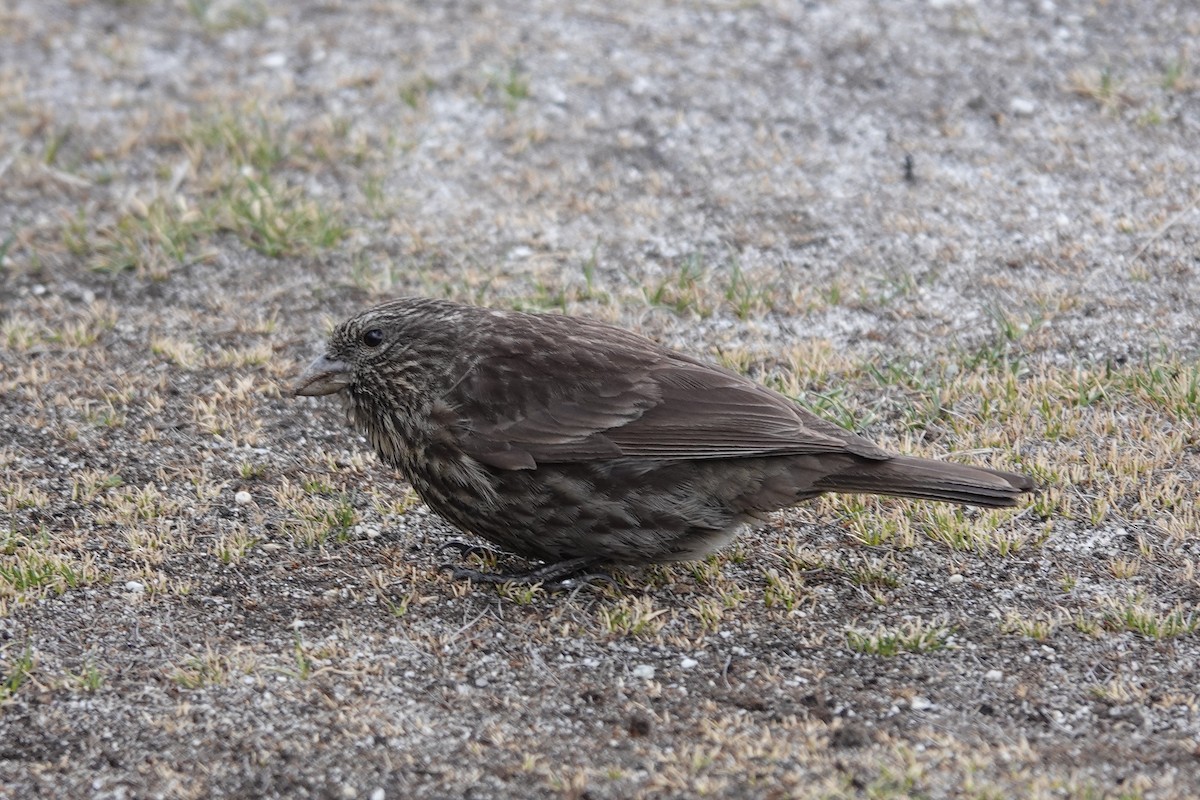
(572, 402)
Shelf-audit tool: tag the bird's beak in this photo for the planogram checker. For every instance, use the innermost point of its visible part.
(323, 376)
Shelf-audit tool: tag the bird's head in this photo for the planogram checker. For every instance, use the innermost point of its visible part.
(386, 355)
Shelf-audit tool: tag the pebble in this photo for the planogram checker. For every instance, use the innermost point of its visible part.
(242, 498)
(1022, 107)
(956, 579)
(643, 671)
(688, 663)
(993, 675)
(136, 587)
(920, 703)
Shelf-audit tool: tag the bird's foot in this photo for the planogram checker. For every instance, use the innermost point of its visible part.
(466, 550)
(570, 573)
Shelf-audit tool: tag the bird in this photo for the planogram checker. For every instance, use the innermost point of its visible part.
(578, 445)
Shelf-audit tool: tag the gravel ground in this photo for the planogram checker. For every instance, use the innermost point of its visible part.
(961, 227)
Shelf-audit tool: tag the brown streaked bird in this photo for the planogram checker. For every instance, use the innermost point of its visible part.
(577, 444)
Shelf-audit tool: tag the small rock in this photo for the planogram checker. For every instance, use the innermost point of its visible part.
(920, 703)
(242, 498)
(688, 663)
(1022, 107)
(643, 671)
(955, 579)
(993, 675)
(135, 587)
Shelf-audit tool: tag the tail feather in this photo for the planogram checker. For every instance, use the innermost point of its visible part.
(905, 476)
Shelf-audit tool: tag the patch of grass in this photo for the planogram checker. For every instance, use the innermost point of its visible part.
(18, 495)
(873, 574)
(783, 590)
(316, 512)
(231, 548)
(634, 617)
(565, 290)
(252, 472)
(125, 505)
(280, 223)
(512, 85)
(867, 520)
(840, 406)
(207, 669)
(951, 525)
(149, 238)
(17, 671)
(1120, 691)
(219, 17)
(19, 333)
(913, 637)
(1136, 614)
(694, 285)
(522, 594)
(1102, 87)
(89, 679)
(1038, 625)
(31, 568)
(682, 291)
(183, 354)
(414, 92)
(746, 296)
(709, 612)
(242, 171)
(304, 662)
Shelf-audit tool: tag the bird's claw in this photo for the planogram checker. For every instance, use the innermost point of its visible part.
(466, 550)
(592, 580)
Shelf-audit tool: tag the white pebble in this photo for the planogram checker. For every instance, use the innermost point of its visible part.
(643, 671)
(1022, 107)
(137, 587)
(955, 579)
(242, 498)
(993, 675)
(920, 703)
(688, 663)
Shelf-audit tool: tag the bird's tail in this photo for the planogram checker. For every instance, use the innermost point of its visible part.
(905, 476)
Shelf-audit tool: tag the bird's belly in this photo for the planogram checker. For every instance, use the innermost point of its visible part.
(615, 511)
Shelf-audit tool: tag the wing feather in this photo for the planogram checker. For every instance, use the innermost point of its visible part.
(580, 397)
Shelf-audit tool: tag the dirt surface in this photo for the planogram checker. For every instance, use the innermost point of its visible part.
(962, 228)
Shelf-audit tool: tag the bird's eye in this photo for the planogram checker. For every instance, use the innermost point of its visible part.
(373, 337)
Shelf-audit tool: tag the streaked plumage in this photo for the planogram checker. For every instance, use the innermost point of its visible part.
(565, 439)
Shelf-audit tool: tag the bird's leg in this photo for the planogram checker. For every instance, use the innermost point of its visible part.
(466, 550)
(559, 574)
